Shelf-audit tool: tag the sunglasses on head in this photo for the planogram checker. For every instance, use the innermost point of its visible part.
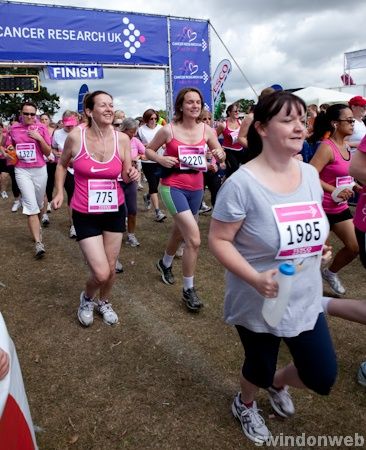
(28, 114)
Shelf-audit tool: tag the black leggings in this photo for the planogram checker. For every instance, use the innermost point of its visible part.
(234, 158)
(149, 170)
(312, 352)
(361, 239)
(51, 170)
(14, 184)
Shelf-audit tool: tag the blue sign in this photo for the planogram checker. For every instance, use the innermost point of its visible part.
(32, 33)
(82, 92)
(190, 57)
(75, 72)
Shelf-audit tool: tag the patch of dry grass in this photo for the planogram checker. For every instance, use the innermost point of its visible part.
(162, 378)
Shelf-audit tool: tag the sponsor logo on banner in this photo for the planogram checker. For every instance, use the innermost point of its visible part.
(188, 38)
(190, 71)
(75, 72)
(133, 38)
(221, 73)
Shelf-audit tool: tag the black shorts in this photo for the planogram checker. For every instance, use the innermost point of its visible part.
(339, 217)
(3, 166)
(89, 225)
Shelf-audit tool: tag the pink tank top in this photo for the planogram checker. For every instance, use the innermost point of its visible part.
(28, 150)
(229, 136)
(179, 179)
(96, 187)
(360, 214)
(333, 174)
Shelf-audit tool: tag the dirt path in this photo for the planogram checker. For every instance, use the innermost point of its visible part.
(162, 378)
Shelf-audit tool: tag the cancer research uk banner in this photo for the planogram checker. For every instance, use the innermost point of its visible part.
(32, 33)
(190, 57)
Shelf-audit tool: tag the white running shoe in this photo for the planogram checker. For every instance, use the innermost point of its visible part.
(160, 216)
(252, 423)
(334, 282)
(118, 267)
(85, 311)
(361, 375)
(132, 240)
(16, 206)
(204, 208)
(4, 195)
(180, 250)
(281, 401)
(106, 311)
(72, 232)
(40, 250)
(147, 201)
(45, 220)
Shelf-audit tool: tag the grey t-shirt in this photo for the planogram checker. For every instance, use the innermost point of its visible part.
(243, 197)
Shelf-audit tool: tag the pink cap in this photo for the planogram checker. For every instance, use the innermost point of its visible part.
(70, 121)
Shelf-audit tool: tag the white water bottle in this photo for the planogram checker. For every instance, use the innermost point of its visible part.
(274, 308)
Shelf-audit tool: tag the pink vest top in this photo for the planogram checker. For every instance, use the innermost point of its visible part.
(229, 136)
(96, 186)
(28, 150)
(360, 214)
(332, 174)
(180, 179)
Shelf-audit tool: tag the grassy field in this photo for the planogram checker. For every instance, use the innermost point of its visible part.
(162, 378)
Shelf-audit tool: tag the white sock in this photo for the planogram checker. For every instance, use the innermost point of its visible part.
(325, 301)
(187, 283)
(167, 260)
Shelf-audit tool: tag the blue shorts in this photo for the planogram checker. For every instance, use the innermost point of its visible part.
(179, 200)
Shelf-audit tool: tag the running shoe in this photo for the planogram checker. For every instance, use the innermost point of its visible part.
(361, 376)
(4, 195)
(118, 267)
(334, 282)
(281, 401)
(204, 208)
(72, 232)
(180, 251)
(160, 216)
(106, 311)
(49, 208)
(191, 300)
(85, 311)
(147, 201)
(140, 187)
(252, 423)
(45, 220)
(132, 240)
(40, 250)
(16, 206)
(166, 272)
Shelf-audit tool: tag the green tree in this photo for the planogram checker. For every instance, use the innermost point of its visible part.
(10, 103)
(245, 104)
(220, 106)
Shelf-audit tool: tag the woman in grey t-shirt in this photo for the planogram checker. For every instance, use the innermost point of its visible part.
(266, 213)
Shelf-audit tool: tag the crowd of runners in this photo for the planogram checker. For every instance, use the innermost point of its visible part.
(255, 169)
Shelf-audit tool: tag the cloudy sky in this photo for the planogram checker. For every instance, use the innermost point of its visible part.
(295, 43)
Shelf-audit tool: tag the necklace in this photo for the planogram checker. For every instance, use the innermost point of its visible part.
(97, 153)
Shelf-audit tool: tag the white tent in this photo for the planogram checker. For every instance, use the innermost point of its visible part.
(317, 96)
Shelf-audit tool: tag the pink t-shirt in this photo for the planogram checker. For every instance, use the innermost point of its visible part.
(360, 214)
(28, 150)
(332, 174)
(96, 186)
(137, 148)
